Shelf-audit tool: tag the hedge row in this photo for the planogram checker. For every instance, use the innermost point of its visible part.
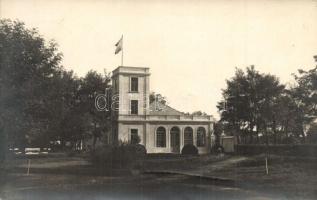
(122, 156)
(282, 149)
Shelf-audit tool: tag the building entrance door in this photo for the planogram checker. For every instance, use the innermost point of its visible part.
(175, 140)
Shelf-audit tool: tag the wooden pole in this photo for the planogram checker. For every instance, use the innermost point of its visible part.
(266, 153)
(29, 164)
(122, 51)
(266, 166)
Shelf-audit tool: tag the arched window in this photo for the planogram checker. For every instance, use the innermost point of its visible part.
(188, 135)
(201, 137)
(161, 137)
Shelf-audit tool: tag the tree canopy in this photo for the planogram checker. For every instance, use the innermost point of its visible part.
(28, 67)
(40, 101)
(256, 104)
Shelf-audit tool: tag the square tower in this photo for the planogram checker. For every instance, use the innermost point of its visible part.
(130, 103)
(131, 90)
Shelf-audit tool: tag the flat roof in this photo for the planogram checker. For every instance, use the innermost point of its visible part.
(131, 70)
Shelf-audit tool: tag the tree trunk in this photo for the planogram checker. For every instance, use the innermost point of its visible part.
(303, 134)
(238, 139)
(237, 133)
(275, 132)
(94, 137)
(3, 146)
(286, 129)
(251, 137)
(251, 134)
(63, 144)
(266, 135)
(94, 143)
(257, 133)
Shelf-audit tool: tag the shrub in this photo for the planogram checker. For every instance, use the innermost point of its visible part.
(138, 150)
(121, 156)
(312, 138)
(291, 140)
(71, 153)
(102, 155)
(217, 149)
(282, 149)
(189, 149)
(136, 139)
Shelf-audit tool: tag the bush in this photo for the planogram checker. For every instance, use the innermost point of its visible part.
(312, 138)
(291, 140)
(217, 149)
(189, 149)
(122, 156)
(101, 155)
(138, 149)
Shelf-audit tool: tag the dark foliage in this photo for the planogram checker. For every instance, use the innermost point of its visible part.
(217, 149)
(41, 102)
(121, 156)
(304, 150)
(256, 104)
(28, 70)
(158, 98)
(189, 149)
(312, 138)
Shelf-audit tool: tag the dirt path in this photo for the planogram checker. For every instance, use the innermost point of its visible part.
(208, 171)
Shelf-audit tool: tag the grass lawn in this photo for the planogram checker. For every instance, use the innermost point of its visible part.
(179, 162)
(62, 177)
(293, 177)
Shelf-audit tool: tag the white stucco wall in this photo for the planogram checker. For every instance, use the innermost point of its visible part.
(147, 134)
(125, 95)
(147, 124)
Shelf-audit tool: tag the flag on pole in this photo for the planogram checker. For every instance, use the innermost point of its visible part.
(119, 45)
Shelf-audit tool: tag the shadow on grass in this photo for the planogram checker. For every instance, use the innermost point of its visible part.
(85, 170)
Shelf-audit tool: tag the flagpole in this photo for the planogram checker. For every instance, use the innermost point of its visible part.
(122, 52)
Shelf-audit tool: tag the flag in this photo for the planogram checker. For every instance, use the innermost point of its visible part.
(119, 45)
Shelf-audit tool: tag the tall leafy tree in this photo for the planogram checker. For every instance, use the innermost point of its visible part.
(285, 115)
(27, 67)
(305, 96)
(248, 102)
(66, 119)
(98, 122)
(156, 97)
(40, 101)
(312, 133)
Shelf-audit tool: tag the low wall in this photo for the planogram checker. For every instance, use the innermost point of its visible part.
(282, 149)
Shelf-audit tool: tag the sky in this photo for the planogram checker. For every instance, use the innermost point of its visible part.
(191, 47)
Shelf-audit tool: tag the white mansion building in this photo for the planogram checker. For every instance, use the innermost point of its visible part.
(160, 128)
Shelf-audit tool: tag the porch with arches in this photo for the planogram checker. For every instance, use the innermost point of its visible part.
(171, 138)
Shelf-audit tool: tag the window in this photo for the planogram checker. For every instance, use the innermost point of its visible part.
(188, 136)
(161, 137)
(134, 136)
(201, 137)
(134, 107)
(134, 84)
